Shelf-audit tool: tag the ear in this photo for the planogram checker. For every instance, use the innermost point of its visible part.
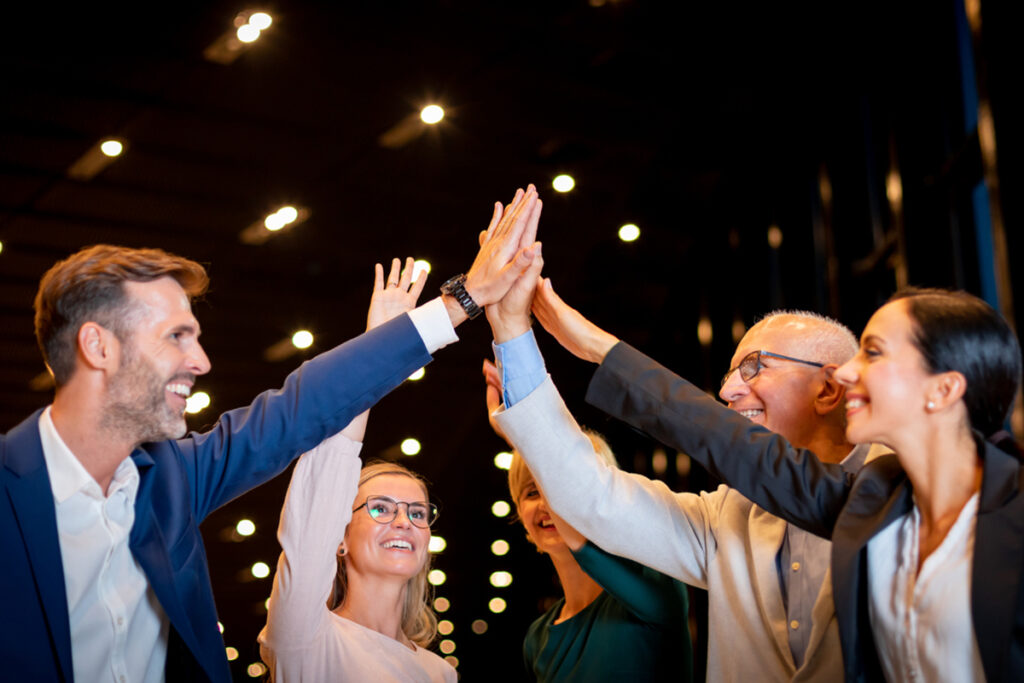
(831, 393)
(98, 347)
(946, 389)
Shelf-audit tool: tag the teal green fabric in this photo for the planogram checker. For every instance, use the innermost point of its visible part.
(636, 630)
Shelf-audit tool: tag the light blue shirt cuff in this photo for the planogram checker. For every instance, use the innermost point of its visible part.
(521, 367)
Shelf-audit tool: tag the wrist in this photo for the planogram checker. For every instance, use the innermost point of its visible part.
(455, 310)
(600, 347)
(508, 328)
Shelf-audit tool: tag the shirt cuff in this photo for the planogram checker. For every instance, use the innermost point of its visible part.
(431, 320)
(521, 367)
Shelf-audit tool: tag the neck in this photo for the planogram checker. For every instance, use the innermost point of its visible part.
(376, 603)
(580, 590)
(945, 469)
(79, 422)
(830, 445)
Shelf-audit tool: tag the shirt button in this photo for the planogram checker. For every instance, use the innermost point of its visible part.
(796, 566)
(120, 621)
(794, 624)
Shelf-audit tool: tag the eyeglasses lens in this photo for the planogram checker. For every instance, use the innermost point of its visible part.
(383, 510)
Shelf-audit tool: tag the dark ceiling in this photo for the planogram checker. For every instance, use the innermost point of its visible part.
(703, 125)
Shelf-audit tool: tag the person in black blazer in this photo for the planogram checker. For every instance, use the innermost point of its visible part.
(934, 380)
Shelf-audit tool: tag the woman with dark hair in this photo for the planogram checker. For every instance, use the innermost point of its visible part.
(921, 537)
(350, 600)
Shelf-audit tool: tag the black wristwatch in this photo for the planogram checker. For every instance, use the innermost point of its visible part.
(456, 287)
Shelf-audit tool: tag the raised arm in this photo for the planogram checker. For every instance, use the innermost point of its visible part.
(578, 335)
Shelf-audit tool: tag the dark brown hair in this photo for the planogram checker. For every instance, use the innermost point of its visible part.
(89, 286)
(958, 331)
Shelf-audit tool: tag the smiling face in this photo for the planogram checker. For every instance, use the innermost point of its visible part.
(782, 395)
(159, 362)
(539, 520)
(397, 548)
(887, 383)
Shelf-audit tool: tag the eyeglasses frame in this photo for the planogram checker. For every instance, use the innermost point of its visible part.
(434, 511)
(760, 366)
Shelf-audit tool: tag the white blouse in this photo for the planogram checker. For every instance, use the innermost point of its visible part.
(303, 640)
(922, 620)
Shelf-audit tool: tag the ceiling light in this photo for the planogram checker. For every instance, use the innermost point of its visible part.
(196, 402)
(563, 183)
(437, 544)
(260, 231)
(629, 232)
(302, 339)
(411, 446)
(431, 114)
(497, 605)
(499, 547)
(442, 604)
(260, 570)
(446, 646)
(501, 579)
(111, 148)
(445, 627)
(500, 509)
(479, 626)
(503, 460)
(436, 577)
(260, 20)
(419, 266)
(96, 158)
(418, 375)
(245, 527)
(256, 669)
(232, 653)
(704, 331)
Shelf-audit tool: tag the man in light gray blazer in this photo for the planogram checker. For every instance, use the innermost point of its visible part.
(771, 615)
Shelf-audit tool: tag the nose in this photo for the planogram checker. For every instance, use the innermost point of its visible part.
(734, 388)
(199, 362)
(846, 374)
(401, 519)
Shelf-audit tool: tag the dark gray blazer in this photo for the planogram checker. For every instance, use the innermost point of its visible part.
(821, 498)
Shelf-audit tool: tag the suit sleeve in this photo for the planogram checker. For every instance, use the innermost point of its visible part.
(249, 446)
(788, 482)
(626, 514)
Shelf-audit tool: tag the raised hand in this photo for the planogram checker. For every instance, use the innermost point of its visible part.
(578, 335)
(493, 396)
(397, 296)
(507, 248)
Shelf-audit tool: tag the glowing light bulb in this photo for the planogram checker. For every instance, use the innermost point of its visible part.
(432, 114)
(302, 339)
(411, 447)
(497, 605)
(245, 527)
(231, 653)
(437, 544)
(501, 579)
(260, 570)
(111, 148)
(436, 577)
(501, 509)
(196, 402)
(629, 232)
(442, 604)
(418, 375)
(445, 627)
(261, 20)
(503, 460)
(247, 34)
(500, 547)
(563, 183)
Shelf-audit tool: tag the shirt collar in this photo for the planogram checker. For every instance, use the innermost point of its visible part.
(67, 474)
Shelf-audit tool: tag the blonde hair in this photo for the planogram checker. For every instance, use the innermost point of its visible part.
(519, 475)
(419, 623)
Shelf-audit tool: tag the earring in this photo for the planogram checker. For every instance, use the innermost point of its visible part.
(341, 551)
(930, 405)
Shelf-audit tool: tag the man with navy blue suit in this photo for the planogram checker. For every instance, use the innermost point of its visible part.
(104, 571)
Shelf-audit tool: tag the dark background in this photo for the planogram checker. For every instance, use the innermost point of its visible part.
(703, 125)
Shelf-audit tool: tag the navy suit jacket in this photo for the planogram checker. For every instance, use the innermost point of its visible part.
(849, 509)
(181, 482)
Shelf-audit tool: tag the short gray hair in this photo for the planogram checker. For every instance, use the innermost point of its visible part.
(829, 340)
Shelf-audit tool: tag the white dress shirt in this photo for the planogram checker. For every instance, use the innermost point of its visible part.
(118, 629)
(922, 619)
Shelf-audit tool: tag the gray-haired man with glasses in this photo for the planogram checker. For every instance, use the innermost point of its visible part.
(771, 615)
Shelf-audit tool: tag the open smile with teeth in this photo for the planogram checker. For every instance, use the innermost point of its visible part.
(854, 403)
(750, 414)
(395, 543)
(180, 389)
(546, 524)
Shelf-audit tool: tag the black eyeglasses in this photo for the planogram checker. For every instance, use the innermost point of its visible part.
(751, 364)
(383, 510)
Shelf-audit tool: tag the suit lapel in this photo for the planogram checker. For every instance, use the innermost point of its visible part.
(998, 558)
(768, 533)
(880, 495)
(32, 501)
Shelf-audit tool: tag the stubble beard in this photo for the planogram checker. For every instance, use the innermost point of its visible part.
(137, 410)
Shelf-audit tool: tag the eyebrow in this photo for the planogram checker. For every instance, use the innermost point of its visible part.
(184, 327)
(871, 338)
